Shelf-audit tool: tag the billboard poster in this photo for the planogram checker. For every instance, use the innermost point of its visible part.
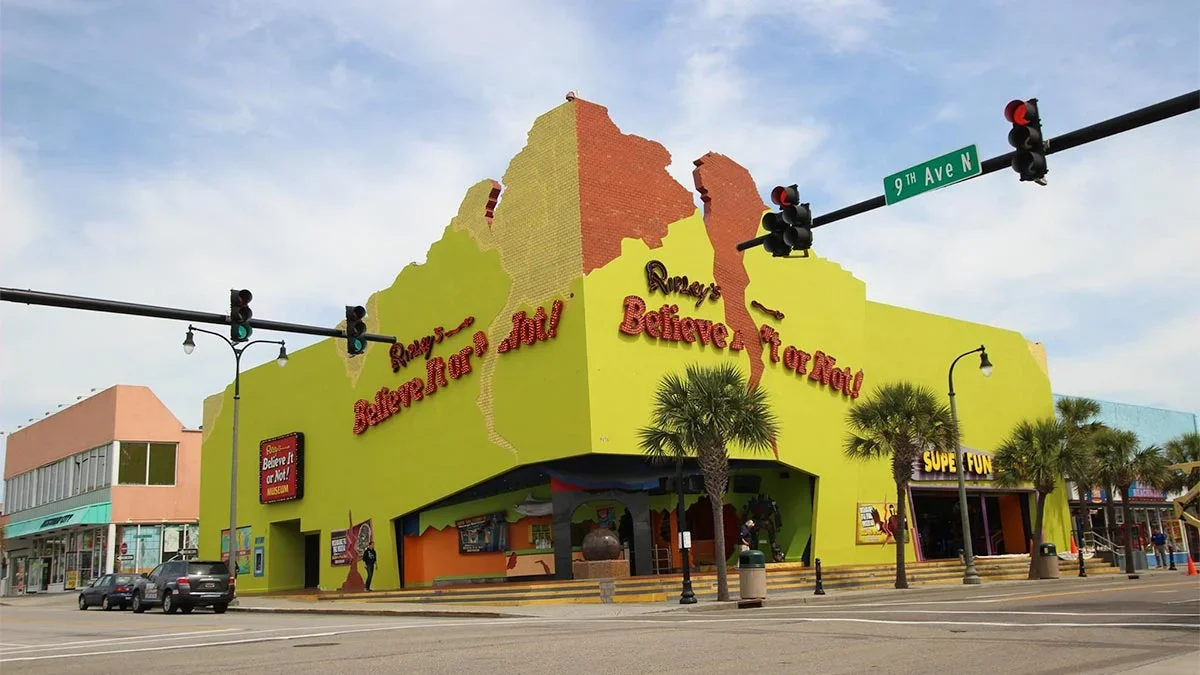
(483, 534)
(877, 523)
(243, 549)
(347, 546)
(281, 468)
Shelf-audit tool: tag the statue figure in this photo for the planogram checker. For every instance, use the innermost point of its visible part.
(764, 513)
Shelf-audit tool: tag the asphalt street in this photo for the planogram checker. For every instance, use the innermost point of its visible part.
(1149, 626)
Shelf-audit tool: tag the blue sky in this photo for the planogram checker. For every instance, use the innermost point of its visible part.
(139, 138)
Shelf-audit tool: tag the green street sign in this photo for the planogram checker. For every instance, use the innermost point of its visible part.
(938, 172)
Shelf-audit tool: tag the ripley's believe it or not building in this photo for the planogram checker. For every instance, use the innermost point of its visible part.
(503, 426)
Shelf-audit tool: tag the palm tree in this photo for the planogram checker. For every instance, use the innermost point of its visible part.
(1078, 416)
(699, 415)
(899, 421)
(1121, 462)
(1041, 452)
(1182, 450)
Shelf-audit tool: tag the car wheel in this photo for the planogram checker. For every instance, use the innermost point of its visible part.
(82, 602)
(219, 608)
(107, 604)
(170, 604)
(138, 607)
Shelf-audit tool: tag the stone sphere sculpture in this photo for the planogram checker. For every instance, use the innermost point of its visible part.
(601, 544)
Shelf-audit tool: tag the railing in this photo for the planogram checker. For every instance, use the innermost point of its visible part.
(1098, 542)
(997, 538)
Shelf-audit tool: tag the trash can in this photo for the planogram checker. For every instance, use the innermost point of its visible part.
(752, 575)
(1047, 561)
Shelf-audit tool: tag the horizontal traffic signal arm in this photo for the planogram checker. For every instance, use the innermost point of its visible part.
(29, 297)
(1158, 112)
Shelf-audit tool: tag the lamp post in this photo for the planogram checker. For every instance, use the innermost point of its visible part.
(985, 367)
(189, 345)
(687, 596)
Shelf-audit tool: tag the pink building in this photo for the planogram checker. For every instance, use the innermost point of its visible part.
(110, 484)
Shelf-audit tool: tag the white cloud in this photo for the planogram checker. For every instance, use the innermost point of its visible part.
(287, 125)
(1159, 368)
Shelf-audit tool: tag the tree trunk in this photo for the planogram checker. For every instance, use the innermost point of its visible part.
(1127, 511)
(718, 508)
(1038, 520)
(714, 465)
(901, 532)
(1110, 514)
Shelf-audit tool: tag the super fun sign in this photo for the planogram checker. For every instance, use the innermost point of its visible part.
(937, 465)
(281, 468)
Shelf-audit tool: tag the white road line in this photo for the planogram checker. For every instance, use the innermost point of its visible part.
(277, 638)
(1180, 602)
(836, 619)
(11, 644)
(81, 644)
(996, 595)
(992, 611)
(659, 622)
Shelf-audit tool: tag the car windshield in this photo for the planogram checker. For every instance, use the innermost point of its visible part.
(215, 569)
(125, 579)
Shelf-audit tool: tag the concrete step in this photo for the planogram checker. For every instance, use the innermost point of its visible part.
(780, 576)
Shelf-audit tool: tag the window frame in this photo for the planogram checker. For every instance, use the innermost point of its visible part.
(145, 447)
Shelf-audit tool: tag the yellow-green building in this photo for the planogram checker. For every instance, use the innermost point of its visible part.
(531, 343)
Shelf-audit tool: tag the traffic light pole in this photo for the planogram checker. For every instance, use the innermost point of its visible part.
(237, 403)
(29, 297)
(1129, 121)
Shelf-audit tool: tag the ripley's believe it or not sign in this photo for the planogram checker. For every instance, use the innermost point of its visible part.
(666, 324)
(526, 330)
(281, 468)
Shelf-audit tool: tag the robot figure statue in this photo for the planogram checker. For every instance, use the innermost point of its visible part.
(764, 512)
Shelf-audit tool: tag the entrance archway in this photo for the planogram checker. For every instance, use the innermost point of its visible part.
(565, 503)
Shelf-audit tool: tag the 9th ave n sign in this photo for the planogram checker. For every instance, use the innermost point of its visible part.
(938, 172)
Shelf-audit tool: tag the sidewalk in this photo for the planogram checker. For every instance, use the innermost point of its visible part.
(585, 611)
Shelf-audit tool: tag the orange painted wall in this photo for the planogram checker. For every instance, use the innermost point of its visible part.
(1012, 525)
(435, 553)
(85, 425)
(158, 503)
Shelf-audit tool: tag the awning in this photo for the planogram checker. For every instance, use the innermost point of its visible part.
(92, 514)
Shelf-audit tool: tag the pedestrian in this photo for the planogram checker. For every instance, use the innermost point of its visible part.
(369, 560)
(744, 536)
(1160, 548)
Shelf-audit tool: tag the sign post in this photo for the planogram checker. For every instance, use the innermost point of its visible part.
(938, 172)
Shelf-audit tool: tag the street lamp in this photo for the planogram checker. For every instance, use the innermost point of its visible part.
(985, 367)
(687, 596)
(189, 345)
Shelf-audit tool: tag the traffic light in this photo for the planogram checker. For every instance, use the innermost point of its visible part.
(1026, 137)
(791, 228)
(239, 315)
(355, 328)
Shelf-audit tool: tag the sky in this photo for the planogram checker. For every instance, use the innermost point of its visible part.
(165, 152)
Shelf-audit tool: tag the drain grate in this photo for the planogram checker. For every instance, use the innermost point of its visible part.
(319, 644)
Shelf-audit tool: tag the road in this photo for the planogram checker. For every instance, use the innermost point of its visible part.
(1149, 626)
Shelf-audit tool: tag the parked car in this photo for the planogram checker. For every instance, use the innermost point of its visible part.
(109, 591)
(182, 586)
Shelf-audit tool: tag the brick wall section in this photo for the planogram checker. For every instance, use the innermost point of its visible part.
(732, 211)
(533, 222)
(624, 188)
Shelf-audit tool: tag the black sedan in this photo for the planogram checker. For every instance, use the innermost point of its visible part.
(109, 591)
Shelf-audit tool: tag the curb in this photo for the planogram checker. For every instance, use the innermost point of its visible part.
(428, 613)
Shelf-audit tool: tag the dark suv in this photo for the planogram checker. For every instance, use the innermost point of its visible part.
(183, 585)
